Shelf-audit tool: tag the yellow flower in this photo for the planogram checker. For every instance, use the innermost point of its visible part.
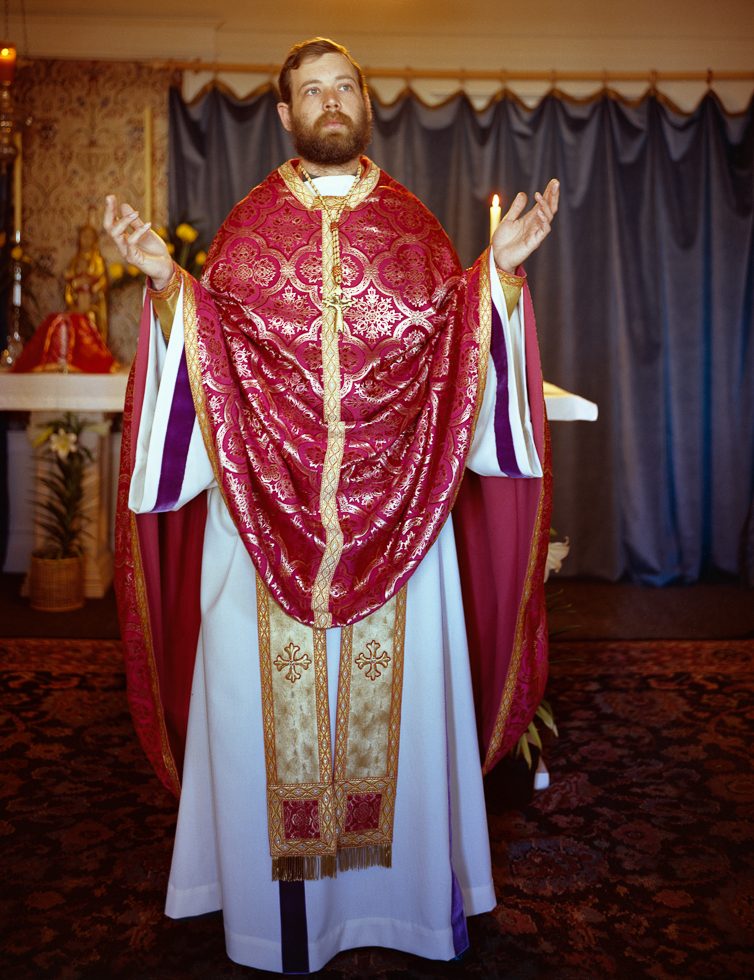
(186, 233)
(171, 248)
(132, 270)
(17, 253)
(116, 270)
(200, 258)
(556, 555)
(63, 443)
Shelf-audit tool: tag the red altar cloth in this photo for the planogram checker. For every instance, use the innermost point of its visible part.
(66, 339)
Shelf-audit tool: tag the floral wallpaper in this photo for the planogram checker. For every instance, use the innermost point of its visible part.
(84, 138)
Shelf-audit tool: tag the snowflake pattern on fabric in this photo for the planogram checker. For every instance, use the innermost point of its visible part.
(289, 312)
(373, 315)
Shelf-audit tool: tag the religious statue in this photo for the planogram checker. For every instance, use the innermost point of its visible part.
(86, 280)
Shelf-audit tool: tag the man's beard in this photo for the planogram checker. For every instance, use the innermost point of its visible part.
(317, 144)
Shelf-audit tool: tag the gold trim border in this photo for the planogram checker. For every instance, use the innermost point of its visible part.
(518, 642)
(336, 437)
(321, 791)
(370, 177)
(331, 386)
(142, 604)
(386, 784)
(485, 335)
(194, 369)
(265, 673)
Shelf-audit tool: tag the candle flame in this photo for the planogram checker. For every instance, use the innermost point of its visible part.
(495, 201)
(7, 62)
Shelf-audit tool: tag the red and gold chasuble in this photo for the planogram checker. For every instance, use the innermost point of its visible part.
(338, 424)
(339, 453)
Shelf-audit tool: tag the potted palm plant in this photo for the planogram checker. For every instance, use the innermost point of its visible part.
(56, 579)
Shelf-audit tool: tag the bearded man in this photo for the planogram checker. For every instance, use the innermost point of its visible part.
(296, 431)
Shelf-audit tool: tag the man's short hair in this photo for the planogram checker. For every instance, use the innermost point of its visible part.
(315, 47)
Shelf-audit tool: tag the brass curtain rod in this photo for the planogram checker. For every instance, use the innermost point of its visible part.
(487, 75)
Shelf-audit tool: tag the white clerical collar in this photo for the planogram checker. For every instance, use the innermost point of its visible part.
(333, 185)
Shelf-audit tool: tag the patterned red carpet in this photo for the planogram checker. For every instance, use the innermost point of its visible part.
(637, 862)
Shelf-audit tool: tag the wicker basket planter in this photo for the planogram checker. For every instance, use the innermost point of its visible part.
(56, 584)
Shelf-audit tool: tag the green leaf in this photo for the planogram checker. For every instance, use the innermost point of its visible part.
(42, 436)
(533, 735)
(56, 513)
(545, 712)
(59, 510)
(523, 744)
(54, 482)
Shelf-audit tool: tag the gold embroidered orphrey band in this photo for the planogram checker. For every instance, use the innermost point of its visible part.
(333, 323)
(327, 815)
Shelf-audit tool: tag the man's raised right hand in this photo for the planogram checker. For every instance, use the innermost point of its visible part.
(137, 243)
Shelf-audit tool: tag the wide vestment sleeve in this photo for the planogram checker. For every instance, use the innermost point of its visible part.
(502, 531)
(157, 581)
(339, 453)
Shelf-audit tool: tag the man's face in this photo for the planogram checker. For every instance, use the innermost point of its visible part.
(327, 116)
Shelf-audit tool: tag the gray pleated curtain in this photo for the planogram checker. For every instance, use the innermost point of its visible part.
(644, 293)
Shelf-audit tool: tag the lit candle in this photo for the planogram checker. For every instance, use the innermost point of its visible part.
(147, 213)
(7, 63)
(17, 188)
(17, 280)
(495, 214)
(63, 359)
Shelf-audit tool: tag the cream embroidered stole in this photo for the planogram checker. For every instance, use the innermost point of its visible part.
(325, 815)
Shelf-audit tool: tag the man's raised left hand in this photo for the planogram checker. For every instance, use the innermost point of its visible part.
(519, 234)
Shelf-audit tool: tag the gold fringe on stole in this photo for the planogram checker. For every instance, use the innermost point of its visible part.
(360, 858)
(304, 868)
(328, 866)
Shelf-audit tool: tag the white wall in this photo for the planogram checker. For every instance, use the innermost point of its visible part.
(586, 35)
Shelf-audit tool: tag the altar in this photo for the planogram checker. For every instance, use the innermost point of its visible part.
(99, 397)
